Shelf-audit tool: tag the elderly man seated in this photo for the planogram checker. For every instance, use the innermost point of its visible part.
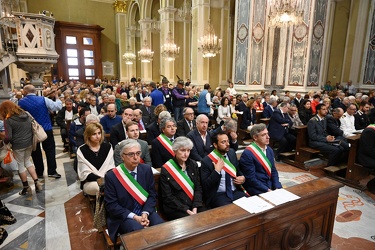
(130, 194)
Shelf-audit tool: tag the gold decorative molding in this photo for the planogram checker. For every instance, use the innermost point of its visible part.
(121, 6)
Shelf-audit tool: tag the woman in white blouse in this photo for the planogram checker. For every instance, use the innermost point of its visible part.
(223, 111)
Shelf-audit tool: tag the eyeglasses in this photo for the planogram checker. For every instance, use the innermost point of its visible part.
(189, 113)
(132, 154)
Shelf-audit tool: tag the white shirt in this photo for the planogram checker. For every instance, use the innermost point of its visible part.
(347, 124)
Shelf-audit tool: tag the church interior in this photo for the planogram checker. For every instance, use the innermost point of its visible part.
(199, 41)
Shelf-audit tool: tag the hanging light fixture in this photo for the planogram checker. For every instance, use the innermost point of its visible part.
(209, 44)
(285, 12)
(129, 56)
(169, 50)
(145, 54)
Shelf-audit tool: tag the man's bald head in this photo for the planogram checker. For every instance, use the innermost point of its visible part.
(29, 89)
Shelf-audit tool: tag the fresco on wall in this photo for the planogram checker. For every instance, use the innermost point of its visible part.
(299, 49)
(242, 40)
(369, 76)
(317, 43)
(257, 42)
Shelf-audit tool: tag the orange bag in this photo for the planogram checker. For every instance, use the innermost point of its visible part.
(8, 158)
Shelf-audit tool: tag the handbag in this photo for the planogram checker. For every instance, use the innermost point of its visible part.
(39, 135)
(6, 217)
(100, 218)
(3, 151)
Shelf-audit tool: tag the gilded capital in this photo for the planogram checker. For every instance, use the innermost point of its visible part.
(121, 6)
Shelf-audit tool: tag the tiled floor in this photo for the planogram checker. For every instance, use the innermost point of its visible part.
(60, 217)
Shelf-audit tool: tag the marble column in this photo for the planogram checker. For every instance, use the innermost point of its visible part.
(167, 13)
(145, 34)
(200, 65)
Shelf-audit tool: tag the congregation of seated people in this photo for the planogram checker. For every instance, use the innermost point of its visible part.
(117, 131)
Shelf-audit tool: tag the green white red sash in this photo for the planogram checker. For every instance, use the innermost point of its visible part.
(167, 144)
(130, 184)
(180, 177)
(228, 166)
(261, 157)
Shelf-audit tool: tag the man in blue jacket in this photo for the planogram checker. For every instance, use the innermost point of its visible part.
(39, 107)
(257, 163)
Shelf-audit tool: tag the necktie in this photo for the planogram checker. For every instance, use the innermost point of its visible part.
(171, 140)
(137, 207)
(140, 127)
(228, 186)
(191, 125)
(148, 109)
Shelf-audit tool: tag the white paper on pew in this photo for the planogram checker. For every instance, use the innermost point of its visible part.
(279, 196)
(253, 204)
(154, 171)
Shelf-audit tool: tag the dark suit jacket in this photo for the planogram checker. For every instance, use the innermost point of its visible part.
(174, 197)
(119, 203)
(183, 128)
(153, 131)
(248, 118)
(257, 180)
(60, 117)
(200, 150)
(296, 102)
(361, 121)
(138, 97)
(159, 155)
(117, 134)
(268, 111)
(210, 179)
(333, 126)
(317, 131)
(241, 106)
(150, 115)
(146, 121)
(366, 155)
(275, 130)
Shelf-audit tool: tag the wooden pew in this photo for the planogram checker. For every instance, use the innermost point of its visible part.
(242, 134)
(303, 151)
(353, 172)
(306, 223)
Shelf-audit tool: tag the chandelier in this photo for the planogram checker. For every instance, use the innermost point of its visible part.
(184, 12)
(129, 56)
(209, 44)
(145, 54)
(285, 12)
(169, 50)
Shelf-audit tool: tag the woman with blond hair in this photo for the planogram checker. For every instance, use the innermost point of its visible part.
(95, 158)
(18, 132)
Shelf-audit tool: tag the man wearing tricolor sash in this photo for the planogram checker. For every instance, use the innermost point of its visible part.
(162, 145)
(220, 176)
(130, 194)
(258, 164)
(180, 184)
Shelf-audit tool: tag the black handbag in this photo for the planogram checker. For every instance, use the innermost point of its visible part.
(6, 217)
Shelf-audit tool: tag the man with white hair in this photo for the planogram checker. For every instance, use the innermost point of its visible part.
(130, 195)
(148, 109)
(242, 104)
(153, 130)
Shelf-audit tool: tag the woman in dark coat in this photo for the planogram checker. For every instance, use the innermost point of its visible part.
(179, 200)
(305, 112)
